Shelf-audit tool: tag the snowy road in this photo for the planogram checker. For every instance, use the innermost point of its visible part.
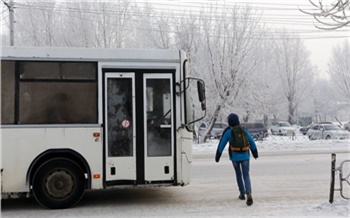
(284, 183)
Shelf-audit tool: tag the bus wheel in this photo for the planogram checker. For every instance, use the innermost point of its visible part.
(58, 183)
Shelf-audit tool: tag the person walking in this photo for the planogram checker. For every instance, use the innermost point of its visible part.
(240, 143)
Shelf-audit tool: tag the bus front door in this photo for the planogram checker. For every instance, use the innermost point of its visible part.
(159, 127)
(139, 128)
(120, 127)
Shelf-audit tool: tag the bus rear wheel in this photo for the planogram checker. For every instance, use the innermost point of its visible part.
(58, 183)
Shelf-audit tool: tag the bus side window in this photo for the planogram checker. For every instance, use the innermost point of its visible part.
(158, 105)
(56, 93)
(120, 107)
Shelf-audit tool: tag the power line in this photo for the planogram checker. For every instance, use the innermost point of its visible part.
(286, 20)
(280, 21)
(170, 9)
(62, 10)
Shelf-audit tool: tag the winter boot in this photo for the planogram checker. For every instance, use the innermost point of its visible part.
(249, 199)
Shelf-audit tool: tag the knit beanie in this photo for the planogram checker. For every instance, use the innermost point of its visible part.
(233, 120)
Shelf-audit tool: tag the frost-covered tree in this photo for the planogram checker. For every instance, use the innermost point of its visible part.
(294, 69)
(74, 24)
(229, 57)
(113, 23)
(263, 96)
(36, 23)
(339, 69)
(330, 14)
(77, 28)
(158, 29)
(322, 101)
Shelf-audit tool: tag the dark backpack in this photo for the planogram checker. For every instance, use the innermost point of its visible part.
(240, 140)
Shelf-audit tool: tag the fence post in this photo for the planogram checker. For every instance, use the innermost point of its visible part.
(331, 194)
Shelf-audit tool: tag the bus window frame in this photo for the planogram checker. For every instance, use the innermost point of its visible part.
(17, 89)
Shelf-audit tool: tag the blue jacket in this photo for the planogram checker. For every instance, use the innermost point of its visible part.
(235, 156)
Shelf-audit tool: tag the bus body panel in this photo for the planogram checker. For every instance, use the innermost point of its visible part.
(22, 144)
(90, 54)
(185, 155)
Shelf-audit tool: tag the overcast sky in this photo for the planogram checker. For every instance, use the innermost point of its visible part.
(276, 14)
(282, 14)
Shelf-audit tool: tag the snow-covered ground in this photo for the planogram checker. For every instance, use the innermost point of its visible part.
(299, 145)
(290, 178)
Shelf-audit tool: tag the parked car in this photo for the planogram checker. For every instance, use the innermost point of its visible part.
(218, 129)
(304, 129)
(201, 129)
(347, 126)
(282, 128)
(326, 131)
(216, 132)
(257, 130)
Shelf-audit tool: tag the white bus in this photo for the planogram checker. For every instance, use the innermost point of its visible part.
(74, 119)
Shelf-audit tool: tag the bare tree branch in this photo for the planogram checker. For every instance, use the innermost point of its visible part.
(332, 16)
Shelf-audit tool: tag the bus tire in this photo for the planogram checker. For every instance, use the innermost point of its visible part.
(58, 183)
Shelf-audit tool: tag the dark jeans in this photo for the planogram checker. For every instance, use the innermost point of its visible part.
(242, 174)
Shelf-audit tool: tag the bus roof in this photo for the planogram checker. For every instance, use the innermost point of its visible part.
(88, 54)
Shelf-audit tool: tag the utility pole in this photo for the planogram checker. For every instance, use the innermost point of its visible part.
(12, 22)
(10, 6)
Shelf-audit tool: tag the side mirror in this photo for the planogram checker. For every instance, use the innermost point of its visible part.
(201, 94)
(322, 129)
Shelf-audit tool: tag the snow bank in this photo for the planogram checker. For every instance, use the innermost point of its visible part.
(281, 143)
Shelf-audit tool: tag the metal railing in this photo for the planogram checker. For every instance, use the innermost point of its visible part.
(342, 179)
